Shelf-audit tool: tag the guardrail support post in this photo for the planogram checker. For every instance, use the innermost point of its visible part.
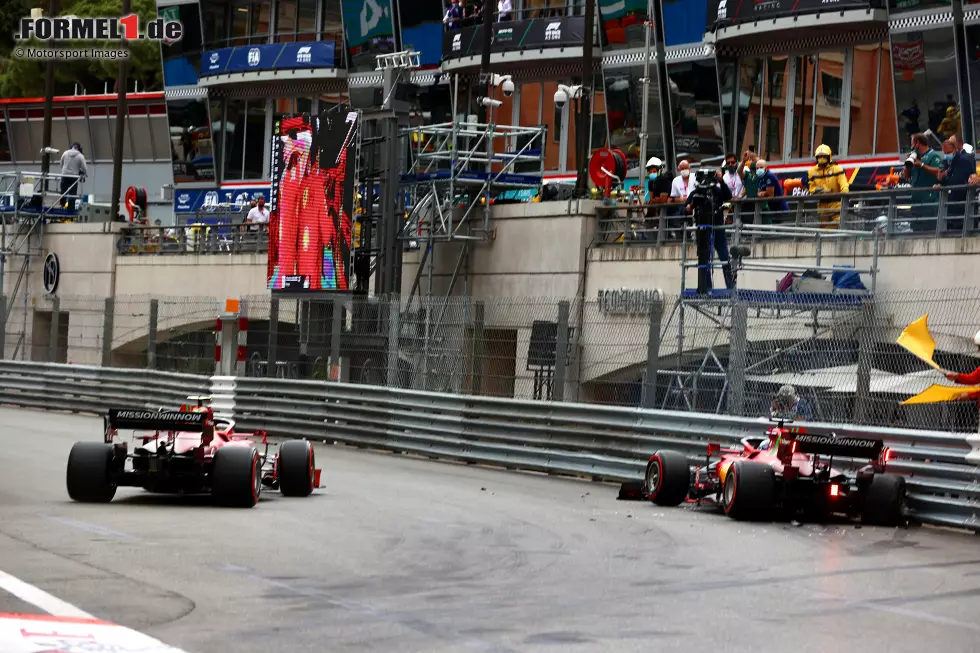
(394, 336)
(272, 358)
(649, 399)
(55, 330)
(226, 345)
(561, 352)
(108, 311)
(863, 388)
(479, 348)
(736, 359)
(151, 338)
(3, 325)
(338, 313)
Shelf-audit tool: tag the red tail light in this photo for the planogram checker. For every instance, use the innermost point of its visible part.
(713, 447)
(834, 490)
(792, 448)
(886, 455)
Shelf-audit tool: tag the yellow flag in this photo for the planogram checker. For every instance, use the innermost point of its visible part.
(917, 339)
(935, 394)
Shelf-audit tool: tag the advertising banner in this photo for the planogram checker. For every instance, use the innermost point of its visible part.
(740, 11)
(312, 199)
(214, 200)
(534, 34)
(274, 56)
(365, 20)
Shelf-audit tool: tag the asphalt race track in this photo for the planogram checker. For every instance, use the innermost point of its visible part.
(396, 554)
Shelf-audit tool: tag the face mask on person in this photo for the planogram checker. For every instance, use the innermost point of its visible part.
(760, 171)
(652, 175)
(685, 173)
(948, 157)
(731, 168)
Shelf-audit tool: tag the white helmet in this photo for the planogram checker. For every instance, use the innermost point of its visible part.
(654, 162)
(976, 339)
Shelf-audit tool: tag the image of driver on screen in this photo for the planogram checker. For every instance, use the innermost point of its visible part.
(314, 231)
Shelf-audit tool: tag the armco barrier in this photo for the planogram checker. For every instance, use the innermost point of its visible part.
(602, 442)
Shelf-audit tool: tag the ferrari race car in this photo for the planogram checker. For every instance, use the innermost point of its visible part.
(189, 451)
(793, 475)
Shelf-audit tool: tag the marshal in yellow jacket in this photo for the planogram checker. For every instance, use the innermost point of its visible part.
(827, 177)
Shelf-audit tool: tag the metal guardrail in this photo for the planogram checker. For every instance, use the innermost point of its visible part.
(194, 239)
(894, 212)
(601, 442)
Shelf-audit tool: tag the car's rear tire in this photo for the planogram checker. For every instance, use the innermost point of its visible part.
(237, 477)
(749, 492)
(883, 501)
(297, 466)
(668, 478)
(89, 473)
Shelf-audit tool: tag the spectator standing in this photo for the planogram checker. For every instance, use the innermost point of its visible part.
(504, 9)
(682, 184)
(769, 186)
(827, 177)
(453, 15)
(956, 171)
(258, 214)
(922, 170)
(732, 178)
(659, 185)
(475, 12)
(73, 169)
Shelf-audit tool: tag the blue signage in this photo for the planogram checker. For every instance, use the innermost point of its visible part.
(274, 56)
(217, 200)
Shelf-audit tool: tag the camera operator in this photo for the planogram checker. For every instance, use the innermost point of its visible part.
(706, 202)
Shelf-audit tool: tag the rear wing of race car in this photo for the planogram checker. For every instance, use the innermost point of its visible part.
(833, 445)
(157, 420)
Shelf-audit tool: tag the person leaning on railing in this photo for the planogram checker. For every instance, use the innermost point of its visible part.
(960, 167)
(922, 170)
(827, 177)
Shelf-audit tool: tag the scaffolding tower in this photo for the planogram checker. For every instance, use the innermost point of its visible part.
(818, 312)
(457, 171)
(28, 200)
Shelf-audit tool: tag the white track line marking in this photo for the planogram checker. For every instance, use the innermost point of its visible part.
(39, 598)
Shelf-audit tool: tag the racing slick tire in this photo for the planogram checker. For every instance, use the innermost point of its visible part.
(750, 491)
(668, 478)
(883, 501)
(296, 468)
(237, 477)
(88, 476)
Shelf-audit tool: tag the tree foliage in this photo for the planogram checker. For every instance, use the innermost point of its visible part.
(21, 77)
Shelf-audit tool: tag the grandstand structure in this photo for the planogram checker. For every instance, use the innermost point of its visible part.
(717, 367)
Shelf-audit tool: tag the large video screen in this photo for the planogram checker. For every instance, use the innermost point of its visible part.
(310, 221)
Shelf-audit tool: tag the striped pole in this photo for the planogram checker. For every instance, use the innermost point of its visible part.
(242, 346)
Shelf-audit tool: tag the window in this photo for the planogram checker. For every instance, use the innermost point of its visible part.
(216, 19)
(234, 139)
(926, 87)
(182, 59)
(286, 21)
(217, 135)
(695, 111)
(915, 5)
(873, 128)
(250, 22)
(5, 156)
(624, 110)
(255, 137)
(191, 149)
(622, 24)
(761, 106)
(306, 20)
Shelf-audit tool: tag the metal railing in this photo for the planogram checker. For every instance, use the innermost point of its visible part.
(194, 239)
(894, 212)
(942, 470)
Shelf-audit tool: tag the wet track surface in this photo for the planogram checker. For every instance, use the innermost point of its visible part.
(401, 554)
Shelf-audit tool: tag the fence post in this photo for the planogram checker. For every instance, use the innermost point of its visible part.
(394, 336)
(55, 330)
(3, 326)
(151, 338)
(272, 358)
(561, 352)
(863, 387)
(478, 349)
(107, 317)
(338, 312)
(737, 344)
(653, 353)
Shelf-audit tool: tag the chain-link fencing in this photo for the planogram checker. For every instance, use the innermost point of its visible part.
(631, 347)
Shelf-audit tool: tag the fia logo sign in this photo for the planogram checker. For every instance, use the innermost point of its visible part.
(254, 57)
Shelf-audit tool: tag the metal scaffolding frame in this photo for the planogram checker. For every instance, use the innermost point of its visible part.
(729, 311)
(24, 213)
(456, 171)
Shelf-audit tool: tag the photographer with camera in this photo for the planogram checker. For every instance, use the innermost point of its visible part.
(922, 170)
(706, 201)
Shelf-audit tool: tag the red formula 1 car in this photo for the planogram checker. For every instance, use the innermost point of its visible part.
(189, 451)
(788, 471)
